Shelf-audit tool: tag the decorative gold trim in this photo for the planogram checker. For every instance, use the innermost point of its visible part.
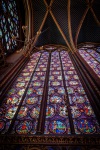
(51, 140)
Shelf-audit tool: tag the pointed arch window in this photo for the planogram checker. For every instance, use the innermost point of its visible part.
(9, 22)
(48, 97)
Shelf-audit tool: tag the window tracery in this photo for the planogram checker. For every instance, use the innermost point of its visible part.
(67, 103)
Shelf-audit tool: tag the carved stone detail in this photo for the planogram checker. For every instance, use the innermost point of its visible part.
(51, 140)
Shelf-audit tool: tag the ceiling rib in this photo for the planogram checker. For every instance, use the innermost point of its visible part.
(80, 25)
(95, 17)
(92, 11)
(89, 6)
(41, 26)
(55, 21)
(58, 26)
(71, 45)
(69, 26)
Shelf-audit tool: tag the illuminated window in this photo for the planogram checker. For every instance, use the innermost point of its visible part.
(9, 22)
(68, 108)
(91, 55)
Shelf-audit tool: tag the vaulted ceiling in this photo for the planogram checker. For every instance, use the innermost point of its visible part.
(57, 21)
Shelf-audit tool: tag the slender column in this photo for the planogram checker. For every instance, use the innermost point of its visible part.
(67, 100)
(40, 126)
(87, 86)
(20, 104)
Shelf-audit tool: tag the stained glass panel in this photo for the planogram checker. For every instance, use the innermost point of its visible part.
(20, 109)
(92, 57)
(9, 22)
(15, 94)
(57, 121)
(83, 115)
(27, 119)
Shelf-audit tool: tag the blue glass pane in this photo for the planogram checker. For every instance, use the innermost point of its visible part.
(57, 121)
(14, 96)
(92, 57)
(9, 23)
(30, 109)
(84, 119)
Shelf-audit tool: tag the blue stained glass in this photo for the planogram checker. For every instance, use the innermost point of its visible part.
(12, 21)
(98, 49)
(14, 96)
(57, 121)
(82, 113)
(94, 54)
(4, 7)
(91, 57)
(0, 33)
(58, 104)
(32, 100)
(57, 127)
(86, 126)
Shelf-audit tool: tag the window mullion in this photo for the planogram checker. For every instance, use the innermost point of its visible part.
(41, 123)
(87, 86)
(67, 99)
(22, 99)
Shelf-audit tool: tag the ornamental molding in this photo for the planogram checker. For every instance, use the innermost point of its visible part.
(51, 140)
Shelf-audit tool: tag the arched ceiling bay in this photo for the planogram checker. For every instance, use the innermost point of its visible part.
(57, 20)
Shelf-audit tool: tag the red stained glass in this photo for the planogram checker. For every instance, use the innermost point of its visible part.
(65, 98)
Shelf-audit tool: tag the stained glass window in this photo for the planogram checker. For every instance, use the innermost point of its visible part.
(9, 22)
(57, 121)
(83, 116)
(91, 55)
(67, 110)
(29, 112)
(14, 96)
